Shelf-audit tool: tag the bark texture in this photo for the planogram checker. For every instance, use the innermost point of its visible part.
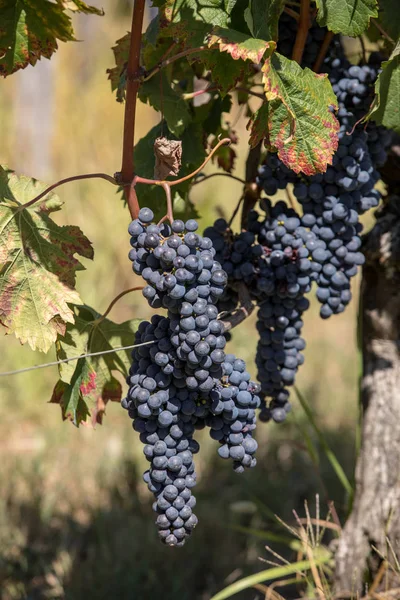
(375, 517)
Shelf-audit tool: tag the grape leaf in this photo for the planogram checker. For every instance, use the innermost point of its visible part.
(348, 17)
(300, 124)
(30, 29)
(192, 20)
(385, 109)
(161, 96)
(239, 45)
(389, 15)
(226, 73)
(85, 386)
(37, 263)
(82, 7)
(117, 75)
(262, 18)
(69, 395)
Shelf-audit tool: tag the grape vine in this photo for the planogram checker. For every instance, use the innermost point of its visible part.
(321, 130)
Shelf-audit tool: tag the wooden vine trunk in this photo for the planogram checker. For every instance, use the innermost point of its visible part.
(372, 530)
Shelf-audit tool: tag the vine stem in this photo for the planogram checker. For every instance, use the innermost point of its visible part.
(114, 301)
(382, 31)
(132, 87)
(322, 51)
(191, 95)
(164, 63)
(302, 32)
(292, 13)
(138, 179)
(251, 191)
(207, 177)
(68, 180)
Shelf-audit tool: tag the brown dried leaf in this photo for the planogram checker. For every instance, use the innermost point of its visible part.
(168, 155)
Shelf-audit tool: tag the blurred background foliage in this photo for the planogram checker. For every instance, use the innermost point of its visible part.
(75, 516)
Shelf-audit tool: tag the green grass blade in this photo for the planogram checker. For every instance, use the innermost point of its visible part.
(328, 452)
(311, 449)
(267, 575)
(266, 535)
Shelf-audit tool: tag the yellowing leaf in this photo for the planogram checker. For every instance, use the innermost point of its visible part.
(89, 384)
(37, 263)
(239, 45)
(298, 122)
(30, 29)
(79, 6)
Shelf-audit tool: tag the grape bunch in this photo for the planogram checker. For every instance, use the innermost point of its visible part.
(180, 379)
(354, 86)
(287, 30)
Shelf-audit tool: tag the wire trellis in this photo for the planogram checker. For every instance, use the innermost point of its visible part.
(72, 358)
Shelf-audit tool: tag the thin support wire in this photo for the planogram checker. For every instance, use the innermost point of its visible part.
(72, 358)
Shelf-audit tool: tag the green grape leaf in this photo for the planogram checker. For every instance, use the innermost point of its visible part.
(262, 17)
(226, 73)
(300, 124)
(389, 16)
(192, 20)
(37, 263)
(30, 29)
(117, 74)
(348, 17)
(258, 125)
(85, 386)
(161, 96)
(385, 109)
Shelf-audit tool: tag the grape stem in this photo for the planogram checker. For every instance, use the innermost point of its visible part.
(161, 182)
(382, 31)
(114, 301)
(292, 13)
(251, 191)
(132, 87)
(302, 31)
(212, 88)
(245, 309)
(68, 180)
(168, 184)
(164, 63)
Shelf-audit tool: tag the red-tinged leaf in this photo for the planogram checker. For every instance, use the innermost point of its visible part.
(300, 124)
(37, 263)
(95, 374)
(71, 396)
(112, 392)
(239, 45)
